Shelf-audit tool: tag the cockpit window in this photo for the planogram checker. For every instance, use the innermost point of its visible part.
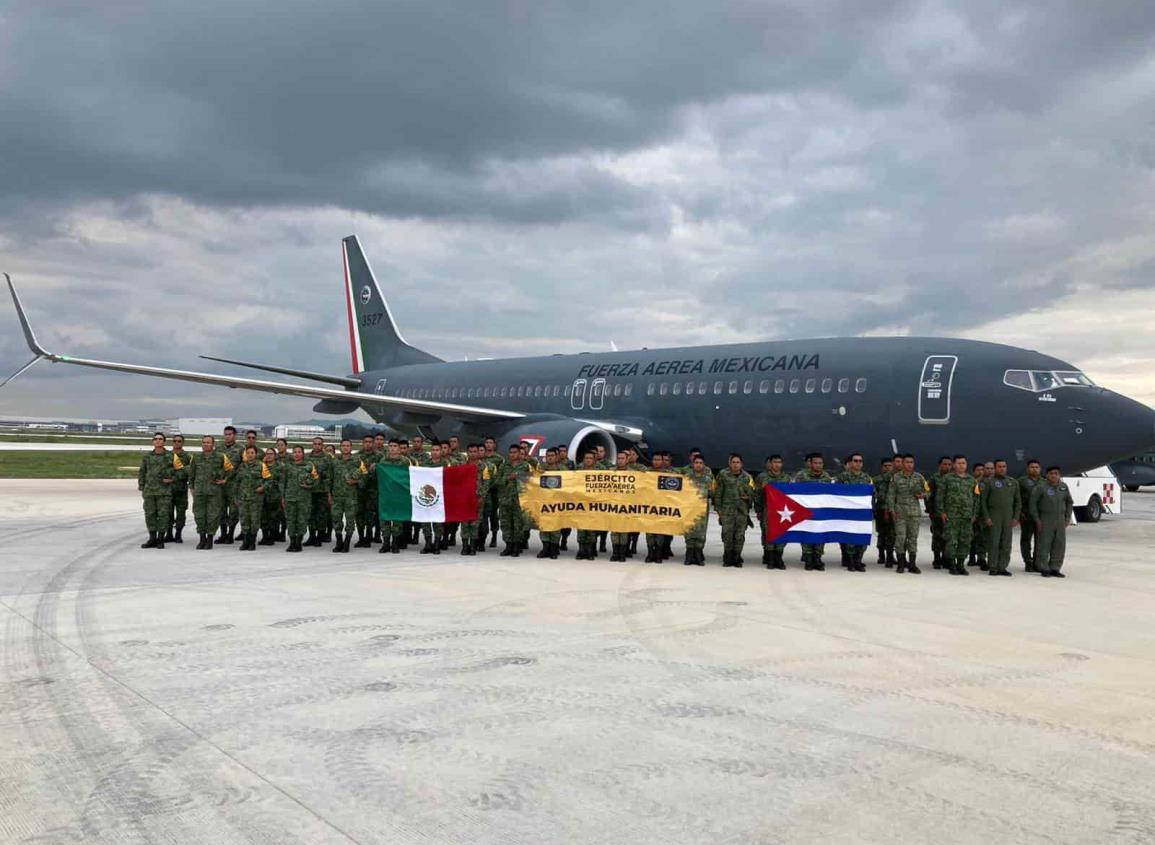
(1040, 381)
(1018, 378)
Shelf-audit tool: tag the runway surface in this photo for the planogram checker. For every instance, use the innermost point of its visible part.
(184, 696)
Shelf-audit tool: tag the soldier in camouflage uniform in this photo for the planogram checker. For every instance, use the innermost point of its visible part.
(514, 474)
(550, 540)
(1051, 507)
(883, 527)
(999, 509)
(207, 476)
(658, 545)
(734, 493)
(470, 531)
(814, 473)
(252, 477)
(270, 499)
(978, 550)
(320, 520)
(179, 487)
(703, 480)
(602, 463)
(954, 505)
(490, 520)
(392, 533)
(154, 481)
(563, 461)
(853, 474)
(620, 540)
(1028, 535)
(298, 486)
(905, 491)
(633, 464)
(774, 473)
(348, 475)
(587, 540)
(230, 506)
(284, 458)
(366, 516)
(937, 541)
(434, 532)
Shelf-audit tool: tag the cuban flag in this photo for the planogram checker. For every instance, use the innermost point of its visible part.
(812, 513)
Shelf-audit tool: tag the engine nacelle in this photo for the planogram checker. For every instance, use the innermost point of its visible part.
(579, 436)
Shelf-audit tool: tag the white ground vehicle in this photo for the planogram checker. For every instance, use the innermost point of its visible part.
(1095, 492)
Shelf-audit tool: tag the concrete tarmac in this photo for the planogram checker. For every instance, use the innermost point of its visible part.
(220, 697)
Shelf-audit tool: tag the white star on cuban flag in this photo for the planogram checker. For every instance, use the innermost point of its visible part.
(806, 512)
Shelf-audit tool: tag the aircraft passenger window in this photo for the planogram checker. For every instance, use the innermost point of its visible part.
(662, 388)
(557, 390)
(520, 391)
(503, 394)
(779, 386)
(702, 388)
(485, 393)
(1045, 380)
(844, 385)
(764, 386)
(811, 383)
(677, 388)
(748, 387)
(617, 390)
(795, 384)
(827, 385)
(650, 389)
(860, 386)
(472, 393)
(629, 389)
(717, 388)
(689, 388)
(537, 391)
(566, 391)
(733, 387)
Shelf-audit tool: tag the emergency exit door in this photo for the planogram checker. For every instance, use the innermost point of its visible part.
(934, 389)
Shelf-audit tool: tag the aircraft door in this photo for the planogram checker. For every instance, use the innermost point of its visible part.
(934, 389)
(597, 393)
(577, 396)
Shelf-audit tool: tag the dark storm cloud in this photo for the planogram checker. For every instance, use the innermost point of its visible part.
(174, 177)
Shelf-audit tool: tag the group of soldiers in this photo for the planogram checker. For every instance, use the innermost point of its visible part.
(327, 494)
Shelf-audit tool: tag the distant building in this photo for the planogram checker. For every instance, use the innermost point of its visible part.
(307, 432)
(198, 426)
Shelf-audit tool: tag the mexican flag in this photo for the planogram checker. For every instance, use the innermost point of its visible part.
(427, 494)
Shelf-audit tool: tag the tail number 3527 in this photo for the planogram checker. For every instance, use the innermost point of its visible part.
(371, 319)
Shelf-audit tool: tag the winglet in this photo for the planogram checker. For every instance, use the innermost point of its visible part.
(29, 335)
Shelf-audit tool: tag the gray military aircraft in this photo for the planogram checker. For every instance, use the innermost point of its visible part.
(923, 395)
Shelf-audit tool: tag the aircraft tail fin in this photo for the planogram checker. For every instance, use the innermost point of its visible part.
(374, 339)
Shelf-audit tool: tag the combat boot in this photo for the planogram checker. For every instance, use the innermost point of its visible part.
(363, 541)
(209, 540)
(845, 558)
(651, 554)
(150, 543)
(224, 539)
(443, 543)
(168, 536)
(960, 566)
(518, 548)
(507, 551)
(937, 562)
(972, 560)
(601, 541)
(554, 550)
(668, 545)
(176, 534)
(891, 560)
(387, 545)
(563, 546)
(983, 565)
(337, 545)
(688, 559)
(818, 564)
(159, 540)
(779, 563)
(881, 556)
(861, 565)
(901, 566)
(700, 556)
(806, 564)
(737, 560)
(544, 553)
(912, 566)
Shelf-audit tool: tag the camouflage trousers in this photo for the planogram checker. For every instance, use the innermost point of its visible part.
(297, 514)
(157, 511)
(343, 512)
(470, 531)
(957, 536)
(319, 517)
(250, 513)
(366, 509)
(906, 533)
(179, 506)
(392, 530)
(432, 531)
(230, 507)
(514, 525)
(733, 530)
(270, 512)
(207, 510)
(884, 529)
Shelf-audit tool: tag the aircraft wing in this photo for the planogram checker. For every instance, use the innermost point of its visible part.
(419, 406)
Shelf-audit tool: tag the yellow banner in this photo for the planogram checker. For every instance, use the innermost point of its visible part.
(613, 500)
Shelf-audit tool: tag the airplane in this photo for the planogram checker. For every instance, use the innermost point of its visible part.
(1135, 472)
(928, 396)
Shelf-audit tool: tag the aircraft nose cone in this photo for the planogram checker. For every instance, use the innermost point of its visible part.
(1127, 426)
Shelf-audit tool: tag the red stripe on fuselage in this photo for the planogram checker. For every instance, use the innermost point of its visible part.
(349, 306)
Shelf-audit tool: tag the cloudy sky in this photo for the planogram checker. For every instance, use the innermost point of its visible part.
(532, 176)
